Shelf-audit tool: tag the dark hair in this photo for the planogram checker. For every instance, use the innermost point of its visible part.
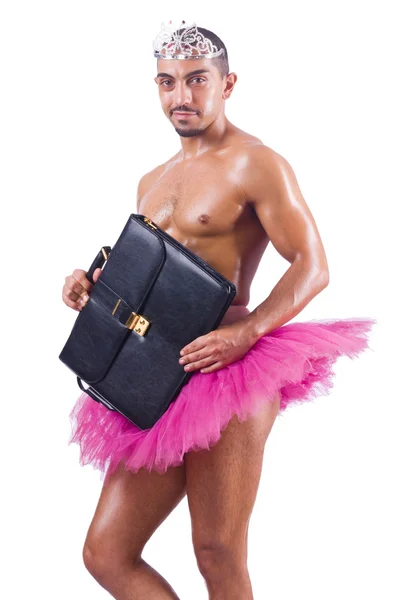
(222, 61)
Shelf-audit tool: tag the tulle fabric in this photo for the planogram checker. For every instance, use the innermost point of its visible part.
(296, 360)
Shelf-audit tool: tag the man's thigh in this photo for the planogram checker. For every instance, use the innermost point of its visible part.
(131, 507)
(222, 482)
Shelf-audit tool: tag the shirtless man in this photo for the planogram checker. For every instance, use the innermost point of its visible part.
(224, 195)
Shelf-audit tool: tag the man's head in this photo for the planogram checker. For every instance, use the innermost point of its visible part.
(193, 89)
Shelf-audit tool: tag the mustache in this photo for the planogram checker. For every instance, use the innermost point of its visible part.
(183, 109)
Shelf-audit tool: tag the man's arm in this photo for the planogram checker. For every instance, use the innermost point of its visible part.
(272, 190)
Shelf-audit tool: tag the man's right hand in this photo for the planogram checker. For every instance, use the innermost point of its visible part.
(77, 288)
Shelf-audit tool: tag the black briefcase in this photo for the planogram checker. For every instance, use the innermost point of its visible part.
(152, 298)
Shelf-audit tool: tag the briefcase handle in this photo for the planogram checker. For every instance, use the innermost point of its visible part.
(98, 262)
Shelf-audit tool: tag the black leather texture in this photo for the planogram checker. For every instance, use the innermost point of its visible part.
(148, 272)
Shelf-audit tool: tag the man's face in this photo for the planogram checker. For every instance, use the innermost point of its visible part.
(190, 93)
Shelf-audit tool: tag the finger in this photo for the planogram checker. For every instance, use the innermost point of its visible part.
(198, 355)
(81, 289)
(74, 296)
(96, 274)
(205, 362)
(74, 288)
(214, 367)
(71, 288)
(197, 344)
(71, 303)
(79, 276)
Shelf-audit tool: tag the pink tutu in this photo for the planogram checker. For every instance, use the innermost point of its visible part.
(295, 359)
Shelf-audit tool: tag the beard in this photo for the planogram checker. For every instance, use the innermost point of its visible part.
(189, 132)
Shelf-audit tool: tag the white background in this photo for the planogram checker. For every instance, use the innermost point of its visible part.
(80, 123)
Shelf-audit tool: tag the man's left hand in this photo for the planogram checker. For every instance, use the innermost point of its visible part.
(218, 348)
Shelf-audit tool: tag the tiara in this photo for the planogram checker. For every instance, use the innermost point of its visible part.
(188, 44)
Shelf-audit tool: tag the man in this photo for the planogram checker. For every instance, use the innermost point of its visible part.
(224, 195)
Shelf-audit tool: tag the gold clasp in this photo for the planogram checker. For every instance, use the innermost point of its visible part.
(150, 223)
(138, 323)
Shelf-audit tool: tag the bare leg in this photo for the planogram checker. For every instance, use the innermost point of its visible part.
(222, 485)
(130, 508)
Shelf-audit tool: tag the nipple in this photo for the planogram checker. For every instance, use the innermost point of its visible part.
(203, 218)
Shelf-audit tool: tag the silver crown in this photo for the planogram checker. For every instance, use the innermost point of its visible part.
(187, 44)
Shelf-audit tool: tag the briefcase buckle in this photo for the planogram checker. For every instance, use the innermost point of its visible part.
(138, 323)
(150, 222)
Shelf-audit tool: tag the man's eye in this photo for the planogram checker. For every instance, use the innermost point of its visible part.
(165, 81)
(197, 78)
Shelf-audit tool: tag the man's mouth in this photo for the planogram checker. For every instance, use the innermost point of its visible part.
(183, 115)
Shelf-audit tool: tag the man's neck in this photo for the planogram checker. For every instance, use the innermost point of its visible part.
(211, 138)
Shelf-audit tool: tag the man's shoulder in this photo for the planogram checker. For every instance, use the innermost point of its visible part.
(149, 178)
(261, 167)
(254, 152)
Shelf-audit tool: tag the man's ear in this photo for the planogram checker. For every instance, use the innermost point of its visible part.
(229, 84)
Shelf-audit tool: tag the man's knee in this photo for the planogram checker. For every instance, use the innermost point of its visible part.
(103, 561)
(98, 561)
(95, 561)
(216, 559)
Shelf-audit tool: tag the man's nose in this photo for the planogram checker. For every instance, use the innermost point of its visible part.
(182, 94)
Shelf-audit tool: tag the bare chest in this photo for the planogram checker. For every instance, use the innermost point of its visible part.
(194, 202)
